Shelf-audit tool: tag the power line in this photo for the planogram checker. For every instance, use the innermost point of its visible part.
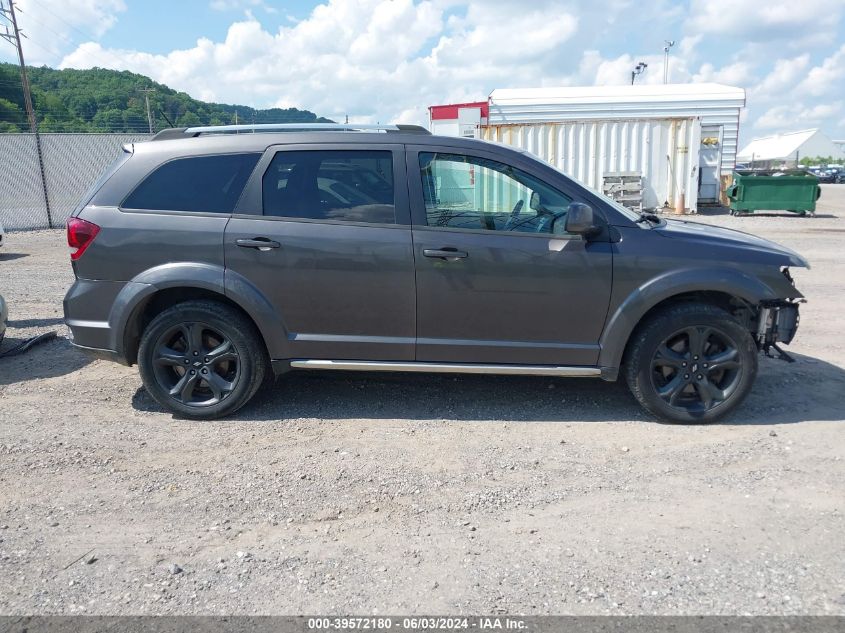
(87, 36)
(67, 39)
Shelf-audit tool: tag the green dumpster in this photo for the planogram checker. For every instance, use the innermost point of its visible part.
(787, 190)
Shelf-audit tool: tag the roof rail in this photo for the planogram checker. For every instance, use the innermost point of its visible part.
(170, 132)
(287, 127)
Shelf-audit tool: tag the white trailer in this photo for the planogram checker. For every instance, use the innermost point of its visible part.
(656, 149)
(680, 138)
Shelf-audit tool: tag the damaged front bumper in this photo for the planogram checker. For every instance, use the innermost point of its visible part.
(777, 323)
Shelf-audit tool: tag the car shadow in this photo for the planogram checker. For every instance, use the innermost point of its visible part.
(54, 357)
(25, 323)
(7, 257)
(780, 396)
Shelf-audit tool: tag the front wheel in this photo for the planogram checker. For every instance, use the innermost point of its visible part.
(691, 363)
(202, 359)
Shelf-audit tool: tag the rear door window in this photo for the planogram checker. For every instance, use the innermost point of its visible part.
(332, 185)
(209, 184)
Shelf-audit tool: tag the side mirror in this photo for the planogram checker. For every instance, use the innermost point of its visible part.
(580, 221)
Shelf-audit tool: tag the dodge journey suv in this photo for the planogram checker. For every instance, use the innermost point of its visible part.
(216, 259)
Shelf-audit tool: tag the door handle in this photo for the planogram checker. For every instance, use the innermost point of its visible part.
(261, 243)
(447, 253)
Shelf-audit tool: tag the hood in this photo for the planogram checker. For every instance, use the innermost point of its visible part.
(717, 236)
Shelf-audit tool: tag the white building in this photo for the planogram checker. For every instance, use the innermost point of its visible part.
(679, 138)
(789, 148)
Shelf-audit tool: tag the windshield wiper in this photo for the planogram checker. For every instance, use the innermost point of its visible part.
(649, 217)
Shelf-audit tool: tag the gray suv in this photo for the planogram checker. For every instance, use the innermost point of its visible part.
(216, 259)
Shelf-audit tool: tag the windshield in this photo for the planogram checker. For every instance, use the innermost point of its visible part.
(625, 211)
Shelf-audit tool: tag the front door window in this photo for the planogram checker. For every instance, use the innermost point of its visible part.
(469, 192)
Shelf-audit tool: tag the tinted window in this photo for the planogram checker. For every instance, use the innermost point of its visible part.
(475, 193)
(351, 185)
(201, 183)
(108, 173)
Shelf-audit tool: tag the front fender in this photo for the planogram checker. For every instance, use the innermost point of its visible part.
(630, 311)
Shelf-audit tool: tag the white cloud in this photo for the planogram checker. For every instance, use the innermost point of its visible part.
(618, 70)
(739, 73)
(241, 5)
(827, 78)
(503, 34)
(783, 77)
(53, 26)
(372, 59)
(756, 21)
(600, 71)
(797, 116)
(382, 60)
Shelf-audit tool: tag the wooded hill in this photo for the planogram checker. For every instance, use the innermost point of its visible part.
(101, 100)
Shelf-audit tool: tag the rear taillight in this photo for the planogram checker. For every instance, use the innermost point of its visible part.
(80, 234)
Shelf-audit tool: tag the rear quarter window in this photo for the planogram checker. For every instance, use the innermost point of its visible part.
(108, 173)
(203, 184)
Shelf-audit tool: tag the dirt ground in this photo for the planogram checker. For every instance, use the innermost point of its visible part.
(357, 493)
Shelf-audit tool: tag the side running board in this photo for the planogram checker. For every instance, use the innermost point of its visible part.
(447, 368)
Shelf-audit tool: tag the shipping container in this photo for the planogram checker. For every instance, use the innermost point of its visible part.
(679, 139)
(662, 151)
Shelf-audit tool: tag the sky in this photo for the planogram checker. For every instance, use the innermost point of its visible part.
(388, 60)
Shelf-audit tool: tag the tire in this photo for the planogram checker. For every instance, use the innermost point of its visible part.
(691, 363)
(216, 342)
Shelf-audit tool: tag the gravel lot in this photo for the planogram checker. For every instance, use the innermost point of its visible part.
(356, 493)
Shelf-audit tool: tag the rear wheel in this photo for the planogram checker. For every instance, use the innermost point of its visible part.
(202, 359)
(691, 363)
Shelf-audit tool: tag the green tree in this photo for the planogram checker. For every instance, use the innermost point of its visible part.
(109, 121)
(11, 115)
(189, 119)
(102, 100)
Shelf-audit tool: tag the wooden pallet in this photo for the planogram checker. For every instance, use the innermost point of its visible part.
(625, 187)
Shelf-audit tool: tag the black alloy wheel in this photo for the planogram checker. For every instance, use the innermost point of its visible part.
(203, 359)
(696, 369)
(196, 364)
(691, 362)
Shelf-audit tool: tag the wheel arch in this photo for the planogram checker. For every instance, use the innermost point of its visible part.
(157, 289)
(730, 289)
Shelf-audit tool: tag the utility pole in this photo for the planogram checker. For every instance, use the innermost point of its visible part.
(669, 44)
(147, 92)
(14, 38)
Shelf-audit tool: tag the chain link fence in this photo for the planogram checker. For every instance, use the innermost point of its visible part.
(71, 162)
